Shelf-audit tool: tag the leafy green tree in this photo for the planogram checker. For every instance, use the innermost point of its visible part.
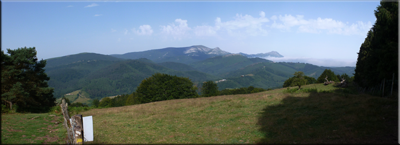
(96, 102)
(378, 55)
(299, 79)
(209, 88)
(132, 99)
(250, 88)
(160, 87)
(345, 77)
(256, 90)
(23, 81)
(288, 82)
(310, 80)
(106, 102)
(327, 73)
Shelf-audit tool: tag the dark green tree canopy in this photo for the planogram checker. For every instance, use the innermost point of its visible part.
(327, 73)
(289, 82)
(160, 87)
(209, 88)
(299, 79)
(23, 81)
(378, 55)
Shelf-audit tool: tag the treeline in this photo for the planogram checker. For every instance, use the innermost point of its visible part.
(160, 87)
(300, 79)
(378, 56)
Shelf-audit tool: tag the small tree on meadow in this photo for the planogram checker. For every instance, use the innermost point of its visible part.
(299, 79)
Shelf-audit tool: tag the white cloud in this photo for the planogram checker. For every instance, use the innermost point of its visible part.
(112, 30)
(126, 32)
(176, 31)
(97, 15)
(244, 25)
(91, 5)
(241, 26)
(205, 30)
(143, 30)
(316, 61)
(319, 25)
(262, 14)
(70, 6)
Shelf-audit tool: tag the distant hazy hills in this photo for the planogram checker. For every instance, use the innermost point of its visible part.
(109, 75)
(262, 55)
(185, 54)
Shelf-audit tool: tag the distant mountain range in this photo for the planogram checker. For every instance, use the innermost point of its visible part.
(262, 55)
(109, 75)
(185, 55)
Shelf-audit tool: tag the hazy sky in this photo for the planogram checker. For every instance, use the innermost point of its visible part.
(322, 33)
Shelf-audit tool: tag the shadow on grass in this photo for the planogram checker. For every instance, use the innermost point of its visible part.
(334, 117)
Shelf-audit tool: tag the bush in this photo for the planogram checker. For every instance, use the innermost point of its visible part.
(309, 90)
(56, 109)
(288, 90)
(4, 109)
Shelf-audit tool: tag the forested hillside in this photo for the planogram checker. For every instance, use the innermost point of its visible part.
(101, 75)
(78, 58)
(220, 65)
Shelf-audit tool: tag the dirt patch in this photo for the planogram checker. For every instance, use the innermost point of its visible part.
(14, 130)
(47, 139)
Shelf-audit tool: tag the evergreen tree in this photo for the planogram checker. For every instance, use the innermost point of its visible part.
(23, 81)
(209, 88)
(378, 55)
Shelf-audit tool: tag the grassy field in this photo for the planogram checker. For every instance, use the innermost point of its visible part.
(267, 117)
(32, 128)
(329, 115)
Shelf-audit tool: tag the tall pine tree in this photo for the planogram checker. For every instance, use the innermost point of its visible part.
(378, 55)
(23, 81)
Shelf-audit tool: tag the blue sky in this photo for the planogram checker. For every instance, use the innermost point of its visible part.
(321, 33)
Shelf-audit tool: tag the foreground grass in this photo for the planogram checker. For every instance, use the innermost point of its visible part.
(29, 128)
(265, 117)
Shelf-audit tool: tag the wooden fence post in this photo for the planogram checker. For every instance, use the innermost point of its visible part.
(78, 129)
(64, 110)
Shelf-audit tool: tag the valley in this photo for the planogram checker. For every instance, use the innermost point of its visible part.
(110, 75)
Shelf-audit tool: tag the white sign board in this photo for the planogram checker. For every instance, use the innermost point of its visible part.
(87, 128)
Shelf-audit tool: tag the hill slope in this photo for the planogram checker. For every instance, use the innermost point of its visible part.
(78, 58)
(266, 117)
(223, 64)
(103, 78)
